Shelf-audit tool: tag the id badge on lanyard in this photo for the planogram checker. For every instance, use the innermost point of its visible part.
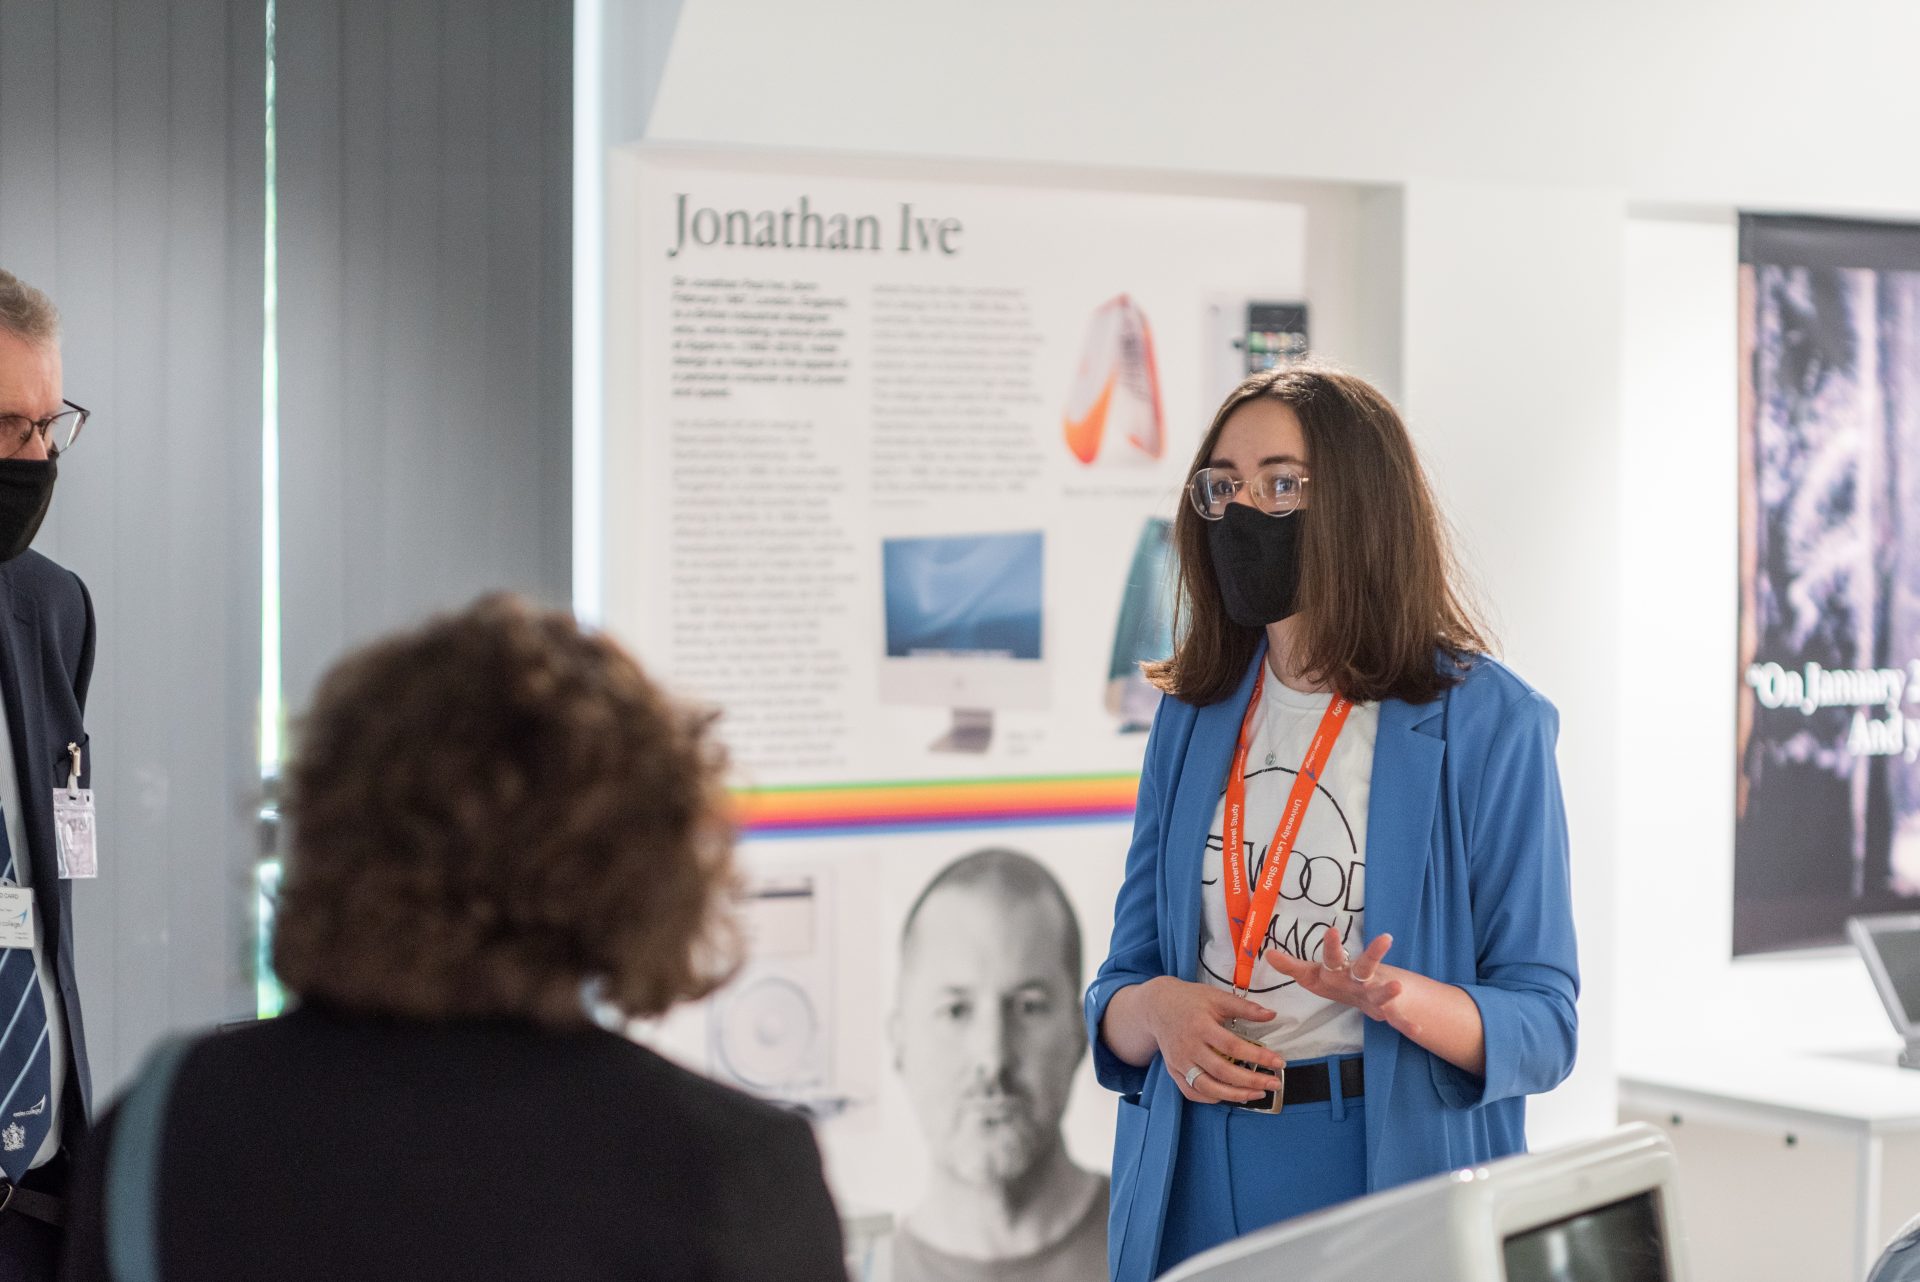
(16, 916)
(1250, 909)
(74, 830)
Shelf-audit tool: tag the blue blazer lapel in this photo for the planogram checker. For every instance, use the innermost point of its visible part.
(20, 676)
(1203, 778)
(1407, 754)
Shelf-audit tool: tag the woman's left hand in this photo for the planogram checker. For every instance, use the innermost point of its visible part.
(1361, 982)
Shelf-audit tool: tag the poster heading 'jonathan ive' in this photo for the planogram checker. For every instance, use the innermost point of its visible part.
(801, 227)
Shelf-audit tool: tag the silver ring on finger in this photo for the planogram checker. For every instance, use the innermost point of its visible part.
(1193, 1075)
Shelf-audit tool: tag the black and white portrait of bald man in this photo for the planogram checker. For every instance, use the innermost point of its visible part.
(987, 1037)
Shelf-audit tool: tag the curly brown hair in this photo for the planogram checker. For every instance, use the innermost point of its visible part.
(497, 813)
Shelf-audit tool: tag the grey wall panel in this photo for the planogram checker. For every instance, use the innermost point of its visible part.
(425, 206)
(320, 222)
(131, 188)
(424, 223)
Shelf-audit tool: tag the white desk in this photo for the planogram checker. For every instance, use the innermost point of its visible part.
(1861, 1096)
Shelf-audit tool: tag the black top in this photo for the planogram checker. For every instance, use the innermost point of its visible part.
(323, 1146)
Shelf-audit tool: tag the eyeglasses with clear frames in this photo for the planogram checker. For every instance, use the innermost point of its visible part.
(1276, 490)
(59, 430)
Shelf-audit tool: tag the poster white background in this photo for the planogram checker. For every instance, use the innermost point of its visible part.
(785, 481)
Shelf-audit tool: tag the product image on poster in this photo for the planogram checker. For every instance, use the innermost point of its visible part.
(1113, 410)
(963, 628)
(1248, 336)
(1144, 632)
(1276, 332)
(1828, 790)
(769, 1030)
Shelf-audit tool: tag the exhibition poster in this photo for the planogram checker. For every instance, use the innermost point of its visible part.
(1828, 790)
(892, 461)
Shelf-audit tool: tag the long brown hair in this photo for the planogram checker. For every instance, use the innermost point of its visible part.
(1378, 601)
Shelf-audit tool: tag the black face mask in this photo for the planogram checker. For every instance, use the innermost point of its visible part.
(26, 491)
(1256, 557)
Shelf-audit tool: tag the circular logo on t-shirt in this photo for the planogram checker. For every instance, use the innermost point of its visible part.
(1323, 888)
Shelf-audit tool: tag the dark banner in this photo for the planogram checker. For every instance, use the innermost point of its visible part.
(1828, 730)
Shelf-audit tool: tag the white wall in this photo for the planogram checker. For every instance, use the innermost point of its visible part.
(1511, 360)
(1762, 102)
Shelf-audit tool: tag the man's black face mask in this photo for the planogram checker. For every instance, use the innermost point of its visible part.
(26, 491)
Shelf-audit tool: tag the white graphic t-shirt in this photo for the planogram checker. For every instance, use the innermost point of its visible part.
(1325, 886)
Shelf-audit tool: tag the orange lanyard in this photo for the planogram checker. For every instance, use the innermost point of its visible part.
(1250, 914)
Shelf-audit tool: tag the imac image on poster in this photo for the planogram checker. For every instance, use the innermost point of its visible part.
(963, 628)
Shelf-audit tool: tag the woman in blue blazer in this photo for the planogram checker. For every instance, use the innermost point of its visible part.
(1389, 953)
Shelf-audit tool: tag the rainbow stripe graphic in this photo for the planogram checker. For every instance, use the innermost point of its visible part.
(924, 805)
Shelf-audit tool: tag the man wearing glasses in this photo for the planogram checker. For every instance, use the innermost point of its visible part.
(46, 658)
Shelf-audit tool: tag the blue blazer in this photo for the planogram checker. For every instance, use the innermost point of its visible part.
(1467, 869)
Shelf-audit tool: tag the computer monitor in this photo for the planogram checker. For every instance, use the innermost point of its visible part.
(1889, 943)
(1603, 1210)
(964, 628)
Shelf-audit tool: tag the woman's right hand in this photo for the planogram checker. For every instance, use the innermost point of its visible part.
(1190, 1024)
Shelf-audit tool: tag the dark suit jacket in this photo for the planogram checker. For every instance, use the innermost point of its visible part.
(46, 661)
(321, 1147)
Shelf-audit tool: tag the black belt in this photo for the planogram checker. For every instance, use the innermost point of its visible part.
(1309, 1084)
(44, 1207)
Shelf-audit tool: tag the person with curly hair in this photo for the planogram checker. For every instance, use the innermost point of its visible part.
(505, 840)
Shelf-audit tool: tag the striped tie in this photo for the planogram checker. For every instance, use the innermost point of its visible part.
(24, 1069)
